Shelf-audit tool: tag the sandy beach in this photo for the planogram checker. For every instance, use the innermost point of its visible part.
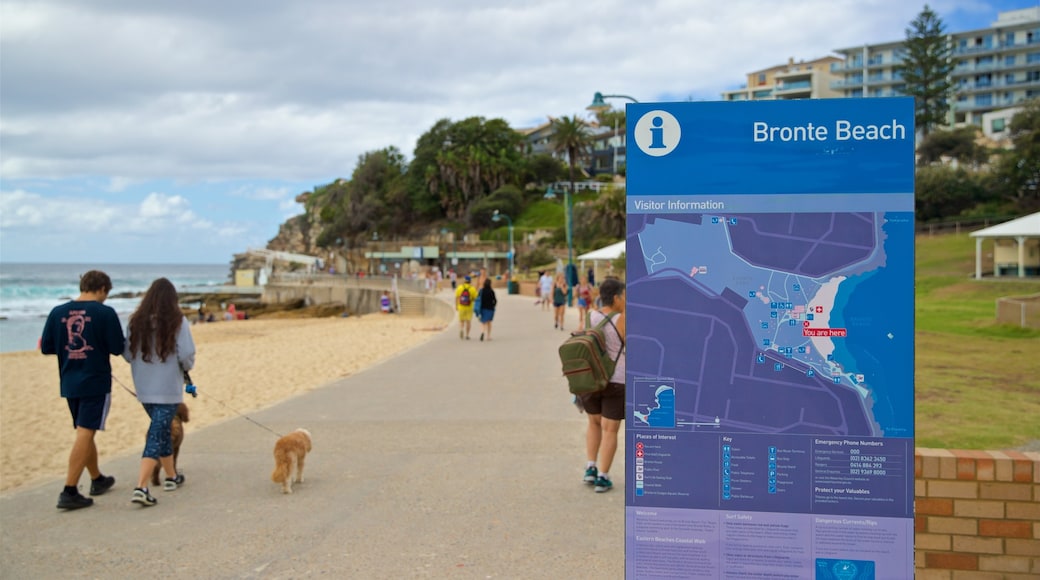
(240, 367)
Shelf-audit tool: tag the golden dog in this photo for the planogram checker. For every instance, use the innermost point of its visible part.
(289, 453)
(176, 437)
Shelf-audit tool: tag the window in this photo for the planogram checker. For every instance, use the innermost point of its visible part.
(984, 100)
(1009, 60)
(997, 125)
(1009, 79)
(1033, 57)
(984, 80)
(984, 61)
(1009, 39)
(761, 78)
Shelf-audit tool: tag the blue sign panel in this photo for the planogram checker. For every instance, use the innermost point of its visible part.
(770, 339)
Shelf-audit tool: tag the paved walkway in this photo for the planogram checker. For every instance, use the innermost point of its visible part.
(457, 459)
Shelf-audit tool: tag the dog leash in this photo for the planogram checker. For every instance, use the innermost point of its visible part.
(189, 387)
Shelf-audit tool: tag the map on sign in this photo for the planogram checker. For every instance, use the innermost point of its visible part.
(655, 403)
(790, 312)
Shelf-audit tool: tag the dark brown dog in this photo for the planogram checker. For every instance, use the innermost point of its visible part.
(176, 437)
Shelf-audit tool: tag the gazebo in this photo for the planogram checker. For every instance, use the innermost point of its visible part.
(608, 253)
(1016, 247)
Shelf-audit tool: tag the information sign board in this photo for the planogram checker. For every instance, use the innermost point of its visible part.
(770, 339)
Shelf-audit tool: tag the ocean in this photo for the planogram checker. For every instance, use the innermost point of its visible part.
(28, 292)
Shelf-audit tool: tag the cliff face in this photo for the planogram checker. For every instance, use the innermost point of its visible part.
(297, 234)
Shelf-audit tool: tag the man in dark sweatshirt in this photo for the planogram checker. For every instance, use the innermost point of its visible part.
(84, 333)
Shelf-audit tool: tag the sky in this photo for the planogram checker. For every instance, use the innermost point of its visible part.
(182, 132)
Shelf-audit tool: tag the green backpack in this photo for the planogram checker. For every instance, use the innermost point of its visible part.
(586, 363)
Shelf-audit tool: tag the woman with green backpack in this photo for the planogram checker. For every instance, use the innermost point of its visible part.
(606, 408)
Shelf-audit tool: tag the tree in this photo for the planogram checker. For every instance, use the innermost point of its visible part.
(957, 144)
(543, 168)
(926, 70)
(608, 212)
(376, 198)
(1018, 173)
(944, 192)
(459, 163)
(571, 136)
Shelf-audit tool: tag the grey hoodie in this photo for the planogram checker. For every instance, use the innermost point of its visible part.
(158, 381)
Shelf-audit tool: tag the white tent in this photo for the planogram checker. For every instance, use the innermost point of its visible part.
(1016, 242)
(609, 253)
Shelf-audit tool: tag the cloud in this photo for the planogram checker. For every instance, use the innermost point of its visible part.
(102, 98)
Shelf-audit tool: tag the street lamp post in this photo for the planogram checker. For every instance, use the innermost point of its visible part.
(599, 103)
(497, 216)
(568, 208)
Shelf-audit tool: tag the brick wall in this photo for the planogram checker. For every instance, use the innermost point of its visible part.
(978, 514)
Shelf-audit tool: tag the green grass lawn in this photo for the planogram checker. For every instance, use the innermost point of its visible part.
(977, 383)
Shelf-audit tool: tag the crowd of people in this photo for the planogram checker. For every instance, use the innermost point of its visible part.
(605, 410)
(84, 333)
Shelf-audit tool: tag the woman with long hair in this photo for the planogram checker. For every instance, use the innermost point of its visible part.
(160, 349)
(488, 302)
(559, 300)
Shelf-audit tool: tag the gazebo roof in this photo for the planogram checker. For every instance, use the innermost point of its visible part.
(1028, 226)
(611, 252)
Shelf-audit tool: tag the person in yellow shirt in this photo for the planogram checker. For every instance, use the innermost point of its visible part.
(465, 296)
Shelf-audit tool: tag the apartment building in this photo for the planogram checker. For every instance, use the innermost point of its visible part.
(802, 80)
(994, 68)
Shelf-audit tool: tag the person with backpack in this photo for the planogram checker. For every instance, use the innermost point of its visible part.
(465, 296)
(606, 408)
(487, 301)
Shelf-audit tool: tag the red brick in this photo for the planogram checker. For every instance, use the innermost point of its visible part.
(1023, 471)
(965, 468)
(934, 506)
(951, 561)
(918, 466)
(1005, 529)
(920, 524)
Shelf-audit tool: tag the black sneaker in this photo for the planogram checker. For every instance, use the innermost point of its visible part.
(102, 484)
(142, 497)
(73, 501)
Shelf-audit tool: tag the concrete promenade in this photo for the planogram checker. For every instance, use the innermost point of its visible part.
(456, 459)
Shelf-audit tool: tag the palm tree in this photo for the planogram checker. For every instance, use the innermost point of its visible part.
(571, 136)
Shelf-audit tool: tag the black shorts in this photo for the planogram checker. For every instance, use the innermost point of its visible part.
(610, 402)
(90, 412)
